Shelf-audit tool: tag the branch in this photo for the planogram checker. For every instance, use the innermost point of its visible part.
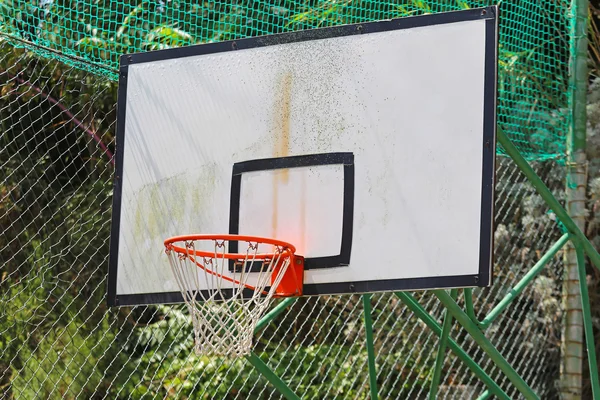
(77, 122)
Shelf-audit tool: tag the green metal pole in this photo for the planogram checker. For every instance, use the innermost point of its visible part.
(485, 395)
(278, 309)
(271, 377)
(548, 197)
(441, 354)
(587, 321)
(263, 368)
(370, 347)
(526, 280)
(485, 344)
(469, 305)
(579, 76)
(424, 316)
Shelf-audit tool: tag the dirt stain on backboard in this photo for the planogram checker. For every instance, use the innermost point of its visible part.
(167, 206)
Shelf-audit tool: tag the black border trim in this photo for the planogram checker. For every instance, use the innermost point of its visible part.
(440, 282)
(113, 258)
(390, 285)
(312, 160)
(313, 34)
(484, 278)
(486, 245)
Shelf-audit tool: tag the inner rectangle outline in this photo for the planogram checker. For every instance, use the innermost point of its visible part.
(311, 160)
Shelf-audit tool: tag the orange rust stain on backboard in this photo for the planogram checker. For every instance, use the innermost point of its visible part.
(283, 113)
(281, 141)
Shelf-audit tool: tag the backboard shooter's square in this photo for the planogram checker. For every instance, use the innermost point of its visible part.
(319, 226)
(369, 147)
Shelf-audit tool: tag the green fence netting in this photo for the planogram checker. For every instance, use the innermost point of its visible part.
(534, 42)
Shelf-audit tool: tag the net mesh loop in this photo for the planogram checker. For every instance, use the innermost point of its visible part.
(226, 293)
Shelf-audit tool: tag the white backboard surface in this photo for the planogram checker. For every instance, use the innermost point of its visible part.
(371, 148)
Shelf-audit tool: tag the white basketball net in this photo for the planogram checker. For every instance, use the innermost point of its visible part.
(225, 304)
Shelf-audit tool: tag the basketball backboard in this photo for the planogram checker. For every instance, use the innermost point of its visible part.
(369, 147)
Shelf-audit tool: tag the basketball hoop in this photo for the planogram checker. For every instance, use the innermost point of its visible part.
(227, 293)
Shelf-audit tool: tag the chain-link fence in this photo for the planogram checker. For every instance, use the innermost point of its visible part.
(58, 339)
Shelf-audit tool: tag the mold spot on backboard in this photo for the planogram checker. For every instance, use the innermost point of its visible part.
(204, 187)
(161, 208)
(147, 219)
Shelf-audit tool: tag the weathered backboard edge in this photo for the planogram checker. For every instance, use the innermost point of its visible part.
(482, 279)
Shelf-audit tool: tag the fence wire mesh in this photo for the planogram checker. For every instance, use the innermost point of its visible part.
(58, 339)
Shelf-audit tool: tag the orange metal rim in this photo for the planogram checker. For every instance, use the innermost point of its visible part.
(170, 245)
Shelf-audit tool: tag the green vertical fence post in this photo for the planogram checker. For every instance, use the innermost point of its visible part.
(579, 76)
(441, 354)
(572, 335)
(271, 377)
(370, 346)
(587, 321)
(485, 344)
(424, 316)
